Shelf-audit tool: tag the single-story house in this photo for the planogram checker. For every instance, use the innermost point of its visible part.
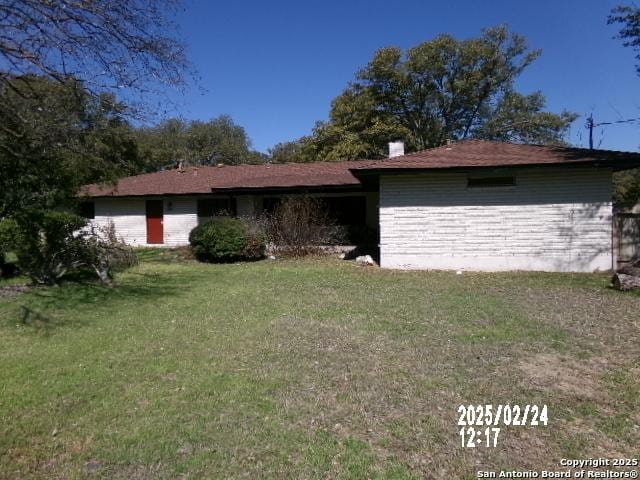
(475, 205)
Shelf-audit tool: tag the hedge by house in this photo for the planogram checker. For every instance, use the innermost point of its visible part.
(227, 240)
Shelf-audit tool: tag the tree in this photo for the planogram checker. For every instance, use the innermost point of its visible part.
(110, 45)
(440, 90)
(61, 64)
(520, 118)
(219, 140)
(627, 183)
(629, 17)
(55, 137)
(626, 188)
(288, 152)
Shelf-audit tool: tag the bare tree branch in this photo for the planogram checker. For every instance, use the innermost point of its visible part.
(124, 46)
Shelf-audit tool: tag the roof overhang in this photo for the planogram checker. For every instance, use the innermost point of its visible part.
(614, 165)
(355, 187)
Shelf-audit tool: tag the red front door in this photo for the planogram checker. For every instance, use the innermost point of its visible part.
(155, 216)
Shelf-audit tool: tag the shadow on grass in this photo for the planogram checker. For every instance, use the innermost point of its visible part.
(165, 255)
(76, 303)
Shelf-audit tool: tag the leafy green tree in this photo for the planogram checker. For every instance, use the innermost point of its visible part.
(439, 90)
(520, 118)
(626, 188)
(55, 137)
(219, 140)
(287, 152)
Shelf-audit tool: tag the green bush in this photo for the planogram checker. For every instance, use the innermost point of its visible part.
(42, 242)
(52, 244)
(227, 240)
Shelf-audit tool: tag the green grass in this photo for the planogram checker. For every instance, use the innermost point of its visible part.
(310, 369)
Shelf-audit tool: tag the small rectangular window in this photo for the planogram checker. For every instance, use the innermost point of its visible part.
(491, 182)
(87, 210)
(216, 207)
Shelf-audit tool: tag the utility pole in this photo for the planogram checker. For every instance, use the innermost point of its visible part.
(590, 126)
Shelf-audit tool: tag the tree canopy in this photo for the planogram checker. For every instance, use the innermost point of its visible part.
(284, 152)
(62, 63)
(55, 137)
(443, 89)
(196, 142)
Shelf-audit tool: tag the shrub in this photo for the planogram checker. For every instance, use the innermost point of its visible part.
(52, 244)
(300, 225)
(227, 240)
(100, 250)
(42, 242)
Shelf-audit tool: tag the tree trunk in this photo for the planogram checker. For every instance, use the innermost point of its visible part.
(626, 282)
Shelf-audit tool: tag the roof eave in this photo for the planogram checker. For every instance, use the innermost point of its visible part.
(615, 165)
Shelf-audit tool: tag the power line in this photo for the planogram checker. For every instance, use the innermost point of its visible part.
(617, 121)
(591, 124)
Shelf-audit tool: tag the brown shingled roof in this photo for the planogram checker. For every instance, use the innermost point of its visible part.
(464, 154)
(197, 180)
(483, 153)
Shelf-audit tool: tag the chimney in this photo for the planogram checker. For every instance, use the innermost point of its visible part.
(396, 149)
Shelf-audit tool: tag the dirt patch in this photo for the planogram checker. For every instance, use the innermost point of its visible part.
(9, 291)
(571, 377)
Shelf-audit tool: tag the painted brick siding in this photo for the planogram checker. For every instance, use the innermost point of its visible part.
(179, 220)
(552, 220)
(129, 219)
(127, 216)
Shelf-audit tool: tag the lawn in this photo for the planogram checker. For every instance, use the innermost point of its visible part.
(312, 369)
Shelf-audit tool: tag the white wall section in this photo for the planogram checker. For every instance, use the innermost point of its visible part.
(554, 219)
(129, 218)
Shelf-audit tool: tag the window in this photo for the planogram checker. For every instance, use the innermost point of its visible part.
(346, 210)
(270, 204)
(351, 210)
(216, 207)
(87, 210)
(491, 182)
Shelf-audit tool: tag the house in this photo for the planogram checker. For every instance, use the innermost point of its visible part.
(476, 205)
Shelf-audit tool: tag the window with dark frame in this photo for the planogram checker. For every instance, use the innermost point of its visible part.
(347, 210)
(344, 210)
(491, 182)
(87, 210)
(270, 204)
(216, 207)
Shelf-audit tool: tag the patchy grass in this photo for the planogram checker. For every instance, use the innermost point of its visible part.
(311, 369)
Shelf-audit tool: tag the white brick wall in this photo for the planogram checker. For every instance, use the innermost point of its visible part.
(127, 215)
(180, 220)
(552, 220)
(129, 219)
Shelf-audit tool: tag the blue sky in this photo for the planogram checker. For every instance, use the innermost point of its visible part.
(275, 66)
